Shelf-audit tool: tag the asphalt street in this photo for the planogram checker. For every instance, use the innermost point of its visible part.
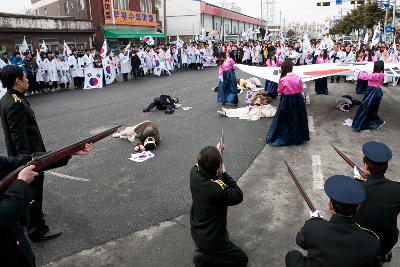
(265, 224)
(122, 196)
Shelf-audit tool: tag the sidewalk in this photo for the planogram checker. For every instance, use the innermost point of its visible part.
(264, 225)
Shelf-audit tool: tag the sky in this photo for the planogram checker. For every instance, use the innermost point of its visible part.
(292, 10)
(14, 6)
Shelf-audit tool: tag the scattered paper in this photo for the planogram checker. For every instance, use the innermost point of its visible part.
(142, 156)
(348, 122)
(186, 108)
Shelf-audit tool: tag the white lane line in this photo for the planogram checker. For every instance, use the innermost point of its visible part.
(318, 178)
(67, 176)
(311, 124)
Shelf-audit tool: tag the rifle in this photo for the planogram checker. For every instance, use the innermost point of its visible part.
(302, 192)
(221, 142)
(48, 159)
(361, 171)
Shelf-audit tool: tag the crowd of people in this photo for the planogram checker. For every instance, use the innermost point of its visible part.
(50, 71)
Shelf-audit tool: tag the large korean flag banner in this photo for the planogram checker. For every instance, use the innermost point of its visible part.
(108, 74)
(93, 78)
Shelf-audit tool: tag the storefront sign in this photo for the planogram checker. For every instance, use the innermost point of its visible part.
(126, 17)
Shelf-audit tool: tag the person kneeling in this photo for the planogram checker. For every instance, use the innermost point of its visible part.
(208, 215)
(339, 241)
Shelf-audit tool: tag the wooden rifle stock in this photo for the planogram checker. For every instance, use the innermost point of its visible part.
(48, 159)
(300, 188)
(221, 142)
(351, 163)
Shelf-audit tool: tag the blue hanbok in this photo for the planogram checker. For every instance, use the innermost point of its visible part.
(271, 88)
(361, 86)
(367, 114)
(290, 124)
(227, 89)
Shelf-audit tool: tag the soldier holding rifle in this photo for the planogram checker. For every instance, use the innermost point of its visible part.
(213, 190)
(23, 137)
(382, 204)
(338, 241)
(15, 248)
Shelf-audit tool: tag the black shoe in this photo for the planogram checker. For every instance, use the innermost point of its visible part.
(146, 110)
(43, 233)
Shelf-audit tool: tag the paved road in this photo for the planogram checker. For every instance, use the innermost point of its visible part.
(121, 196)
(266, 223)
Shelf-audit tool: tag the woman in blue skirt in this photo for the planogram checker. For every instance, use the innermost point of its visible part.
(321, 84)
(367, 114)
(227, 89)
(272, 87)
(362, 85)
(290, 124)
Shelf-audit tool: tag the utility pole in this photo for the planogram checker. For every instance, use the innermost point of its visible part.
(394, 17)
(386, 14)
(261, 17)
(165, 16)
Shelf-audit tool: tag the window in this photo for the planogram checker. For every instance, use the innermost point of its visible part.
(146, 6)
(81, 5)
(66, 7)
(45, 11)
(121, 4)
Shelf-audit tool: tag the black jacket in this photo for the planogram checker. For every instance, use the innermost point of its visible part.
(15, 250)
(338, 242)
(211, 199)
(380, 209)
(20, 128)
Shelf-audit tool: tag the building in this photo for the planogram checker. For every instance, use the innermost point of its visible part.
(77, 33)
(186, 18)
(120, 21)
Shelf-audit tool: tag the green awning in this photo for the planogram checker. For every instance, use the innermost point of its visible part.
(126, 34)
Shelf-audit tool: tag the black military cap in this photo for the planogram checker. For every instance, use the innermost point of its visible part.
(344, 189)
(377, 152)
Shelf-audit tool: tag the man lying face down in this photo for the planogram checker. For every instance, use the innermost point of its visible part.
(145, 135)
(164, 102)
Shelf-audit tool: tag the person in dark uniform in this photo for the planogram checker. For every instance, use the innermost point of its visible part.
(163, 102)
(23, 136)
(211, 197)
(14, 247)
(339, 241)
(382, 204)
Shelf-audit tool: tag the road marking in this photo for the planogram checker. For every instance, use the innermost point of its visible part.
(318, 178)
(67, 176)
(311, 124)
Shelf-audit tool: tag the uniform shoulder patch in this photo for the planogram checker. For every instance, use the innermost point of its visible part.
(368, 230)
(220, 183)
(16, 98)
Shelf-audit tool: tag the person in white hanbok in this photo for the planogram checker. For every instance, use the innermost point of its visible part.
(65, 75)
(185, 57)
(80, 71)
(52, 74)
(246, 55)
(73, 67)
(125, 65)
(88, 59)
(149, 60)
